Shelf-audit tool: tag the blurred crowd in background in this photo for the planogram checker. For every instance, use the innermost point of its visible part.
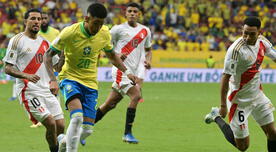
(182, 25)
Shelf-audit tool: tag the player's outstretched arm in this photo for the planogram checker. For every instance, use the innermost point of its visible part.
(148, 58)
(117, 62)
(50, 69)
(223, 94)
(10, 70)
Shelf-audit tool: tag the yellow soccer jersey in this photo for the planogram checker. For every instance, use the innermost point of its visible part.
(81, 52)
(50, 34)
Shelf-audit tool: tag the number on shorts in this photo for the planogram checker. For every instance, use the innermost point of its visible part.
(35, 102)
(241, 116)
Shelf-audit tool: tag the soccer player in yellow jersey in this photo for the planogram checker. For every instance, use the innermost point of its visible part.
(46, 31)
(81, 44)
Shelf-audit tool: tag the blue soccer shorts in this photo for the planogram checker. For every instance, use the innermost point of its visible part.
(88, 97)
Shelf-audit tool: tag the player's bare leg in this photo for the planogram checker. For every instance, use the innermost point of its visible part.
(60, 135)
(140, 84)
(74, 128)
(270, 132)
(242, 144)
(135, 96)
(51, 133)
(113, 98)
(60, 126)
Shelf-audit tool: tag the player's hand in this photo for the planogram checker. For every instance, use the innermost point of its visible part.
(223, 111)
(54, 87)
(133, 78)
(147, 64)
(32, 77)
(123, 56)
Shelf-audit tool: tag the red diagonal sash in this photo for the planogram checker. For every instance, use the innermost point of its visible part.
(251, 72)
(129, 47)
(134, 42)
(34, 65)
(32, 68)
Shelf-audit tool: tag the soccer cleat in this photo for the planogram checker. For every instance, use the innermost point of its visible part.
(210, 117)
(141, 100)
(12, 98)
(129, 138)
(36, 125)
(61, 143)
(83, 142)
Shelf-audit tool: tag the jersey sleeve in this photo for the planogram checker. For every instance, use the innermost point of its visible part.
(148, 40)
(114, 34)
(269, 49)
(231, 61)
(59, 42)
(12, 52)
(108, 46)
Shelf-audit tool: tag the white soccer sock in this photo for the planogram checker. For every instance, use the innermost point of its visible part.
(86, 130)
(73, 131)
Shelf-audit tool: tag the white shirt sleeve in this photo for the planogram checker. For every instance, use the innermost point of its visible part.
(231, 61)
(269, 50)
(114, 34)
(12, 52)
(148, 40)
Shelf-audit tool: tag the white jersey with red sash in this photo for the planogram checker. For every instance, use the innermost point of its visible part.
(131, 41)
(244, 62)
(26, 55)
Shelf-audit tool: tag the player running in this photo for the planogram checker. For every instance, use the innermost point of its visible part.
(133, 41)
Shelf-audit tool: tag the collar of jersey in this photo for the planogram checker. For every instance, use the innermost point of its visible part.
(84, 31)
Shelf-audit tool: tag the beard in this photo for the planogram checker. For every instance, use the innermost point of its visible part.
(34, 31)
(44, 27)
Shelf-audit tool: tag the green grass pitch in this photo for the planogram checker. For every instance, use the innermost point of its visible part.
(170, 120)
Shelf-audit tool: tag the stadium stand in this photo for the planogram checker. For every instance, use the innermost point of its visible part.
(180, 25)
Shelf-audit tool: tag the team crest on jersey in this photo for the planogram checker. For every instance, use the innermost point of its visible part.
(68, 88)
(87, 50)
(28, 50)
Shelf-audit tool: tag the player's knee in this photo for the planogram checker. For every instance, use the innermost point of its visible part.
(136, 97)
(60, 127)
(49, 123)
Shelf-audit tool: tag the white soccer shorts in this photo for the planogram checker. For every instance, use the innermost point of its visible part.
(141, 70)
(40, 106)
(261, 110)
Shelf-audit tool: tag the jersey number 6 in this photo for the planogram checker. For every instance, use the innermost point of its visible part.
(241, 116)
